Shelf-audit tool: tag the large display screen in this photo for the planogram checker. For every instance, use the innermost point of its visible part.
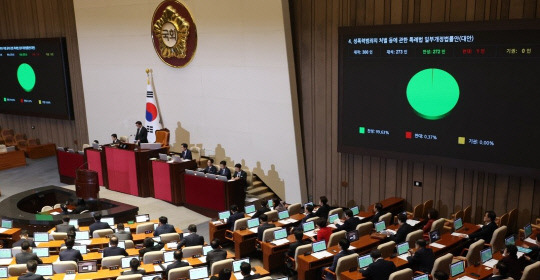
(461, 93)
(35, 78)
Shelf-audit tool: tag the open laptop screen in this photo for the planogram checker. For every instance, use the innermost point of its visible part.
(457, 268)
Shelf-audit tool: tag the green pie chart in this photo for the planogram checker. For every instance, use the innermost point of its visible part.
(432, 93)
(26, 77)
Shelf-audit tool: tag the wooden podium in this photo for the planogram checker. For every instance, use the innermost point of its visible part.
(87, 184)
(210, 196)
(167, 180)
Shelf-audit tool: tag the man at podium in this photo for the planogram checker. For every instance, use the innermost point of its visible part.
(142, 133)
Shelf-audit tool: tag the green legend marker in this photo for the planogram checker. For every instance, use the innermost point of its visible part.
(362, 130)
(26, 77)
(432, 93)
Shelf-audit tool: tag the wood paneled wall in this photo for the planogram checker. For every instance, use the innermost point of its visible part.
(43, 19)
(348, 179)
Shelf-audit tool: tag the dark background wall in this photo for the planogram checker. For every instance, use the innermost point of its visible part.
(21, 19)
(356, 179)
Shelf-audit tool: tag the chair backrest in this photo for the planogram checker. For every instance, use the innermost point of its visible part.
(240, 223)
(57, 206)
(387, 218)
(162, 136)
(150, 257)
(459, 214)
(473, 255)
(295, 208)
(404, 274)
(46, 208)
(503, 221)
(16, 269)
(418, 210)
(141, 228)
(442, 263)
(84, 211)
(123, 138)
(387, 249)
(84, 146)
(428, 205)
(218, 266)
(192, 250)
(3, 148)
(346, 263)
(312, 219)
(272, 215)
(59, 235)
(169, 237)
(467, 214)
(103, 232)
(300, 250)
(62, 266)
(338, 211)
(130, 277)
(336, 237)
(111, 261)
(364, 228)
(497, 241)
(512, 220)
(413, 236)
(129, 244)
(268, 234)
(20, 136)
(531, 272)
(16, 250)
(438, 224)
(177, 273)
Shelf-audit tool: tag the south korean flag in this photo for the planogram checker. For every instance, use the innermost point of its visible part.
(153, 122)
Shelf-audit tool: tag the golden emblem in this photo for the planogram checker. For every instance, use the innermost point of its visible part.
(172, 32)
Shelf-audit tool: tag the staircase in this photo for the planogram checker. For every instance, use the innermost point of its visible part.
(258, 191)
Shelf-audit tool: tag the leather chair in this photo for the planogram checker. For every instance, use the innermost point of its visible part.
(344, 263)
(336, 237)
(62, 266)
(179, 273)
(364, 228)
(387, 249)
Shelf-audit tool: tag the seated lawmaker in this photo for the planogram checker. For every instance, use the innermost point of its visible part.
(378, 209)
(193, 239)
(308, 211)
(26, 254)
(264, 225)
(350, 222)
(440, 275)
(403, 229)
(210, 168)
(98, 224)
(264, 208)
(31, 267)
(178, 255)
(534, 255)
(279, 205)
(114, 139)
(113, 249)
(70, 254)
(380, 269)
(186, 153)
(24, 237)
(65, 226)
(134, 268)
(245, 270)
(223, 170)
(323, 231)
(164, 227)
(224, 274)
(216, 254)
(81, 206)
(433, 215)
(423, 259)
(500, 272)
(299, 236)
(487, 230)
(513, 264)
(150, 247)
(324, 208)
(344, 246)
(235, 215)
(121, 233)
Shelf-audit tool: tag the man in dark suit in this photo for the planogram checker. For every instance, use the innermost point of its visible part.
(186, 153)
(299, 236)
(150, 247)
(122, 233)
(403, 229)
(308, 212)
(378, 212)
(500, 271)
(70, 254)
(26, 254)
(324, 209)
(217, 254)
(193, 239)
(81, 206)
(210, 168)
(264, 208)
(423, 259)
(513, 264)
(114, 139)
(534, 255)
(113, 249)
(224, 274)
(164, 227)
(24, 237)
(440, 275)
(177, 255)
(64, 226)
(31, 267)
(134, 265)
(487, 230)
(350, 222)
(235, 215)
(380, 269)
(142, 134)
(344, 246)
(240, 175)
(264, 225)
(223, 170)
(98, 224)
(245, 269)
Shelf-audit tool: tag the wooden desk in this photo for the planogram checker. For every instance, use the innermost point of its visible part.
(451, 242)
(12, 159)
(167, 180)
(217, 230)
(244, 243)
(68, 163)
(479, 271)
(210, 196)
(41, 151)
(10, 236)
(274, 256)
(394, 205)
(96, 162)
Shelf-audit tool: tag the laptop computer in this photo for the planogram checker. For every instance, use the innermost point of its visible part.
(486, 255)
(95, 146)
(162, 156)
(74, 222)
(308, 227)
(458, 224)
(198, 273)
(352, 235)
(7, 223)
(318, 246)
(332, 218)
(253, 223)
(176, 158)
(270, 203)
(510, 240)
(86, 266)
(80, 248)
(151, 276)
(45, 270)
(206, 249)
(224, 215)
(3, 272)
(402, 248)
(421, 277)
(250, 209)
(41, 252)
(125, 260)
(364, 261)
(150, 146)
(355, 210)
(380, 226)
(283, 215)
(108, 220)
(210, 176)
(457, 268)
(527, 230)
(82, 235)
(5, 253)
(434, 236)
(221, 178)
(41, 237)
(280, 234)
(142, 218)
(236, 264)
(190, 172)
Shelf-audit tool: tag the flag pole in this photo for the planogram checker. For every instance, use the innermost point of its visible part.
(151, 77)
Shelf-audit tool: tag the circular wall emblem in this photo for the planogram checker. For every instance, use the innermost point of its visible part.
(174, 34)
